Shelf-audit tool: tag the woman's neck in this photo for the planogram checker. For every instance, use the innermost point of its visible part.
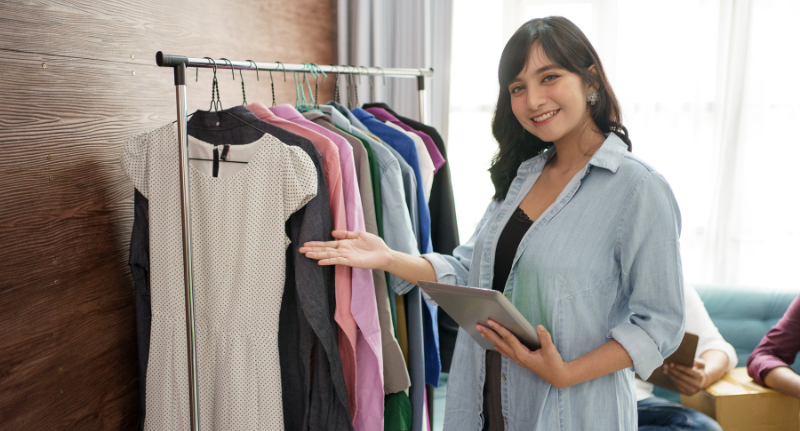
(575, 149)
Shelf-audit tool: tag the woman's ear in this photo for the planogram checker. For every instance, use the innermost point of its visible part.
(593, 70)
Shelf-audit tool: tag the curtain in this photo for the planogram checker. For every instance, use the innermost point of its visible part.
(407, 34)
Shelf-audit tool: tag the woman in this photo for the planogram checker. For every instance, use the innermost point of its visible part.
(581, 236)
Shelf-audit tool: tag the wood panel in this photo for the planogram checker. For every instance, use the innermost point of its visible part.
(67, 333)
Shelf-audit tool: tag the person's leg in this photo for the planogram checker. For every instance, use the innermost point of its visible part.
(656, 414)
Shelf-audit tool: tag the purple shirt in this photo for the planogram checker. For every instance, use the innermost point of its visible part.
(779, 347)
(433, 151)
(369, 352)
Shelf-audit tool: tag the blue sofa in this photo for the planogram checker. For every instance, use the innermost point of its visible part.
(743, 316)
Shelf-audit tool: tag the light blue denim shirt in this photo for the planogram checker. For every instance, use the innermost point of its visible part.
(603, 262)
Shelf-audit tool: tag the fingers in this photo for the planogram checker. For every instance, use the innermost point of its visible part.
(700, 364)
(684, 388)
(545, 339)
(318, 244)
(318, 250)
(335, 261)
(323, 255)
(343, 234)
(494, 338)
(509, 338)
(681, 370)
(338, 234)
(688, 379)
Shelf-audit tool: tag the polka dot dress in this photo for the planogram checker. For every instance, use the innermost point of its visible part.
(239, 270)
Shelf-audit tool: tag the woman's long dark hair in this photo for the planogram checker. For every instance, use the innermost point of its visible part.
(566, 45)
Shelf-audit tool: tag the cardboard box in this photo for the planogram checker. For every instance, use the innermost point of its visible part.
(740, 404)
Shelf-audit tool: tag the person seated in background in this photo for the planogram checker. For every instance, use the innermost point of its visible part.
(769, 363)
(713, 359)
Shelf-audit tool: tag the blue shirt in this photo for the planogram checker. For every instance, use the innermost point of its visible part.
(404, 145)
(601, 263)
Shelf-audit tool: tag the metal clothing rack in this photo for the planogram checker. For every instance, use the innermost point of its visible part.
(179, 64)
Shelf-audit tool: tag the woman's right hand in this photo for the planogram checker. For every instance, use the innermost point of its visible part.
(353, 249)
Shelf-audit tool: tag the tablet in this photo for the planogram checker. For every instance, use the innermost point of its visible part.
(469, 306)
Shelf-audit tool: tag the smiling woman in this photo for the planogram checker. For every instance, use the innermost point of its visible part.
(581, 237)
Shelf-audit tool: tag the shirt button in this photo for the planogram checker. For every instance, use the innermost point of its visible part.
(508, 295)
(503, 376)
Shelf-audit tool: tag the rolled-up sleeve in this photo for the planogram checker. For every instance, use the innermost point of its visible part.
(779, 347)
(454, 269)
(648, 252)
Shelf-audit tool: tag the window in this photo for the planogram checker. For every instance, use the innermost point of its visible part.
(709, 95)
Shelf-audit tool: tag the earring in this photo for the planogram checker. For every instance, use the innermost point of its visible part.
(592, 98)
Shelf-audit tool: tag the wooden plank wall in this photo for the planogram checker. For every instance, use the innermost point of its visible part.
(78, 78)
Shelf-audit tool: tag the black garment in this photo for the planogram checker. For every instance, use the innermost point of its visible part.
(507, 246)
(312, 399)
(139, 263)
(444, 227)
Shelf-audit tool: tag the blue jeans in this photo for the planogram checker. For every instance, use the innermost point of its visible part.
(656, 414)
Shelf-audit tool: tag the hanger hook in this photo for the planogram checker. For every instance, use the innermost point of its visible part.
(356, 81)
(233, 73)
(316, 83)
(256, 65)
(216, 104)
(349, 83)
(336, 84)
(284, 70)
(272, 84)
(383, 74)
(244, 96)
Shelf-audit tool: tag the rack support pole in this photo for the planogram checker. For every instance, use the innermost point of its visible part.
(422, 98)
(186, 219)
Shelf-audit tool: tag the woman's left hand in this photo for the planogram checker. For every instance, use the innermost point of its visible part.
(545, 362)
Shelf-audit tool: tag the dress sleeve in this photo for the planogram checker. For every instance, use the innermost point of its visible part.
(134, 160)
(299, 180)
(779, 347)
(648, 253)
(454, 269)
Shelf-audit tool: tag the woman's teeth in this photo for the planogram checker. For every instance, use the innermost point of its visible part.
(544, 117)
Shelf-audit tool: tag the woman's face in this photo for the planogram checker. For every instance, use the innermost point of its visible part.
(549, 102)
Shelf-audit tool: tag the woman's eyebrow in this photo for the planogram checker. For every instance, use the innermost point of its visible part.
(546, 68)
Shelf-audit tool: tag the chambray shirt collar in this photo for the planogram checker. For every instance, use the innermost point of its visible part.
(609, 156)
(336, 116)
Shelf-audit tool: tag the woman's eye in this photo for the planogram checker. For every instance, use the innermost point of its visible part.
(517, 89)
(549, 78)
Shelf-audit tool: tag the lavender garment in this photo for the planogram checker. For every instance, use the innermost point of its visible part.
(369, 353)
(436, 156)
(779, 347)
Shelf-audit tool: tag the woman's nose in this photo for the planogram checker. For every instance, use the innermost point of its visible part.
(536, 99)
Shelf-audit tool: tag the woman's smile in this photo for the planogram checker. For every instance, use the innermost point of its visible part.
(544, 118)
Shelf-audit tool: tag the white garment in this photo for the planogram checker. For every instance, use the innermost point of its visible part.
(698, 322)
(426, 166)
(239, 266)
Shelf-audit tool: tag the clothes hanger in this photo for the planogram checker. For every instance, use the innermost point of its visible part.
(216, 103)
(316, 83)
(366, 73)
(273, 82)
(336, 86)
(384, 82)
(244, 96)
(348, 81)
(355, 84)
